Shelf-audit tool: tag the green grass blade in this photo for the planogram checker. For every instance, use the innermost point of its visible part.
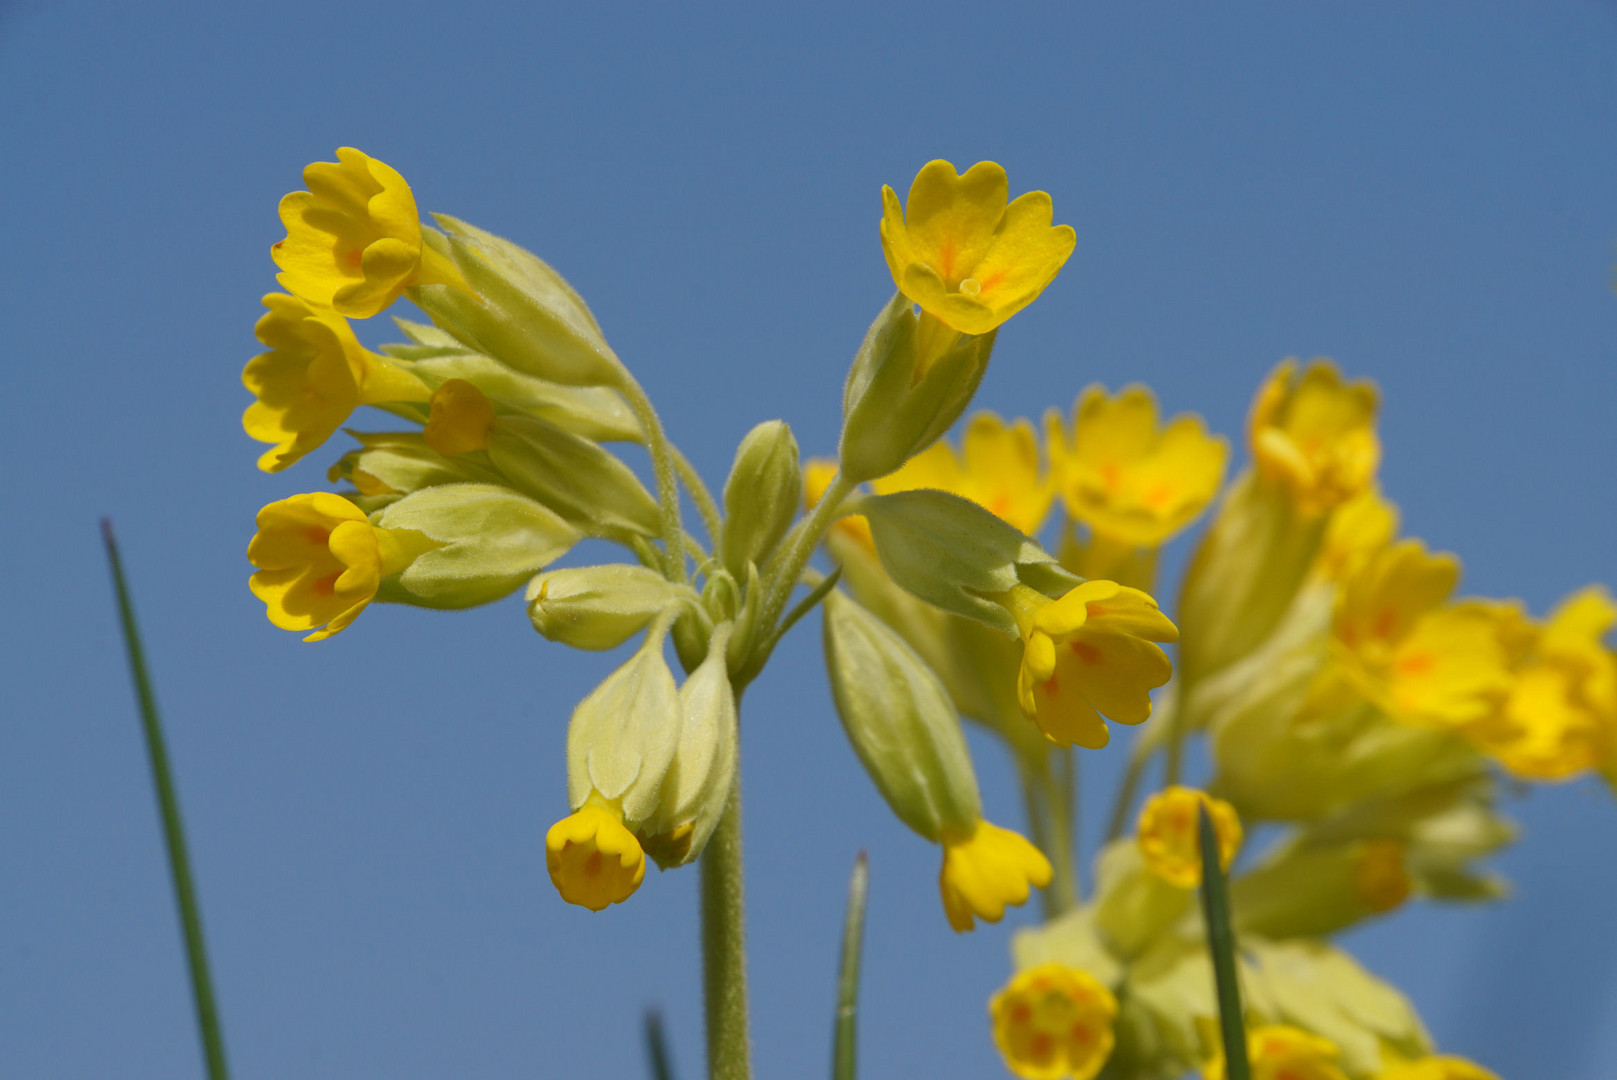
(844, 1043)
(662, 1068)
(213, 1046)
(1221, 943)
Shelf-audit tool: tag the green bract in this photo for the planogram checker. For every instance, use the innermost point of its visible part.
(600, 607)
(573, 476)
(623, 735)
(760, 497)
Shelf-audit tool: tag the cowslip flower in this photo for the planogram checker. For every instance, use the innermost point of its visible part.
(986, 870)
(964, 254)
(997, 467)
(320, 561)
(313, 377)
(1313, 435)
(459, 420)
(353, 240)
(1283, 1052)
(1169, 834)
(1126, 475)
(1054, 1022)
(1090, 654)
(1439, 1067)
(1360, 529)
(593, 858)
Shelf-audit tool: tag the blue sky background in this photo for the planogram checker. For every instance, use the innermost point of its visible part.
(1428, 194)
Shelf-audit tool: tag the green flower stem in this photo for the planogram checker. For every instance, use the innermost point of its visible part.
(784, 569)
(1221, 943)
(662, 463)
(179, 863)
(1139, 757)
(657, 1047)
(712, 520)
(844, 1039)
(1049, 814)
(724, 949)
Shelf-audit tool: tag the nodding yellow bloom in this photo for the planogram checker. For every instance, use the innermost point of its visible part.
(1127, 476)
(1282, 1052)
(460, 420)
(314, 375)
(817, 476)
(1440, 1067)
(1561, 716)
(966, 257)
(1169, 834)
(997, 468)
(593, 859)
(1360, 529)
(1090, 654)
(353, 240)
(1380, 876)
(1422, 660)
(985, 871)
(320, 561)
(1314, 435)
(1054, 1022)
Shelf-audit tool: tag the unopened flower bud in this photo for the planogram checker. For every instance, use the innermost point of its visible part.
(760, 497)
(600, 607)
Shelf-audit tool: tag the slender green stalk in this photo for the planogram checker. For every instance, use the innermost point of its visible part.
(1064, 788)
(657, 1047)
(662, 463)
(712, 520)
(213, 1044)
(724, 949)
(1051, 833)
(784, 569)
(845, 1034)
(761, 653)
(1127, 791)
(1221, 944)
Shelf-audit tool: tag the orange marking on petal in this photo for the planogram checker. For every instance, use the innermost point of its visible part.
(1384, 622)
(1094, 611)
(1042, 1046)
(327, 585)
(988, 281)
(1087, 653)
(352, 259)
(1416, 664)
(1158, 495)
(946, 255)
(1080, 1034)
(1000, 504)
(1111, 475)
(318, 535)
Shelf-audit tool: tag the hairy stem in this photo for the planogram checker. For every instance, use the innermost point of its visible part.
(712, 519)
(662, 463)
(784, 569)
(724, 949)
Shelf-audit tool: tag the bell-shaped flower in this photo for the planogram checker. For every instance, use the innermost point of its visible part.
(1054, 1022)
(1313, 435)
(593, 859)
(460, 419)
(1169, 834)
(985, 870)
(966, 255)
(313, 377)
(353, 240)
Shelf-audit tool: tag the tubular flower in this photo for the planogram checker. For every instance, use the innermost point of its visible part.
(1087, 655)
(314, 375)
(1440, 1067)
(1314, 435)
(1422, 660)
(593, 859)
(1282, 1052)
(1054, 1022)
(1127, 476)
(1561, 716)
(353, 240)
(997, 468)
(320, 561)
(966, 257)
(1170, 838)
(461, 418)
(986, 870)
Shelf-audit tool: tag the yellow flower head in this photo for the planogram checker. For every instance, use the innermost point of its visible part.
(1282, 1052)
(1054, 1022)
(460, 420)
(1380, 876)
(1561, 716)
(1314, 435)
(1169, 834)
(997, 468)
(1420, 659)
(320, 561)
(1128, 477)
(314, 375)
(987, 870)
(353, 240)
(593, 859)
(1441, 1067)
(965, 256)
(1087, 655)
(1359, 530)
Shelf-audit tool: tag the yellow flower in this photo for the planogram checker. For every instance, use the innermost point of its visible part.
(1128, 477)
(817, 476)
(1169, 834)
(315, 374)
(460, 420)
(1381, 876)
(997, 468)
(1314, 435)
(1441, 1067)
(1359, 530)
(353, 240)
(1282, 1052)
(1087, 655)
(985, 871)
(593, 859)
(320, 561)
(1422, 660)
(1054, 1022)
(965, 256)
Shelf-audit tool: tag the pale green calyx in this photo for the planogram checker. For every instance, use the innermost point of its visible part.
(760, 497)
(490, 541)
(954, 554)
(577, 478)
(623, 735)
(600, 607)
(900, 721)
